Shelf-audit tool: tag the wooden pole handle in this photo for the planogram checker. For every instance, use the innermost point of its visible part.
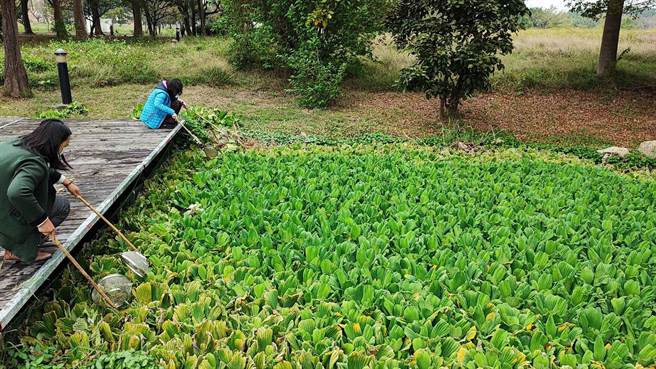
(198, 141)
(85, 202)
(83, 272)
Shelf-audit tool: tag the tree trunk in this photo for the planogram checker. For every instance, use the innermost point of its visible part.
(16, 84)
(60, 26)
(201, 16)
(185, 17)
(25, 14)
(150, 22)
(95, 17)
(78, 16)
(136, 16)
(194, 30)
(443, 113)
(610, 39)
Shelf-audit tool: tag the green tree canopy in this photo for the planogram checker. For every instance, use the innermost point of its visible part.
(315, 40)
(457, 44)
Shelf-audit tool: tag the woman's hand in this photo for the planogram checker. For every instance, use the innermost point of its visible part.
(74, 189)
(47, 229)
(184, 104)
(175, 117)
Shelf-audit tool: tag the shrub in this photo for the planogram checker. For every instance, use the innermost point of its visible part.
(457, 51)
(317, 83)
(257, 48)
(290, 32)
(74, 109)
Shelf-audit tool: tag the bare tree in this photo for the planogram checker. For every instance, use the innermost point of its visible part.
(156, 11)
(16, 83)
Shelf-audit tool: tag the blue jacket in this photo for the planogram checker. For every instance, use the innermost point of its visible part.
(157, 107)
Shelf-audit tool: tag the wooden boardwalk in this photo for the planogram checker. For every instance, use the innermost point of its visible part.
(107, 157)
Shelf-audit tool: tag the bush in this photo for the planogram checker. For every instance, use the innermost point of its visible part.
(317, 83)
(74, 109)
(294, 33)
(254, 49)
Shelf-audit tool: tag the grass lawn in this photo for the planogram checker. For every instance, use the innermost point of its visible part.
(550, 69)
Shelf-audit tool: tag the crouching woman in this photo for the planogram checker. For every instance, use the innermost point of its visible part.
(163, 105)
(29, 207)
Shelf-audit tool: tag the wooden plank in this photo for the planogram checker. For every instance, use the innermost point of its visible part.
(107, 158)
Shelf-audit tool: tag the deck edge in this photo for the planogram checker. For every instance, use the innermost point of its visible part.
(32, 285)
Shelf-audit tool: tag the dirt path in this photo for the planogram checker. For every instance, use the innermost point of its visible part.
(627, 118)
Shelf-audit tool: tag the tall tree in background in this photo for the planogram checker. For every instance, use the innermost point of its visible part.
(137, 28)
(155, 11)
(78, 17)
(60, 26)
(16, 83)
(614, 11)
(205, 11)
(94, 7)
(201, 17)
(25, 15)
(457, 44)
(94, 10)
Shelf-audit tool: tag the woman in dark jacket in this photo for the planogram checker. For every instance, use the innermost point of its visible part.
(29, 207)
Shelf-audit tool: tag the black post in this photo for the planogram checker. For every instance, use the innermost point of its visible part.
(177, 33)
(64, 82)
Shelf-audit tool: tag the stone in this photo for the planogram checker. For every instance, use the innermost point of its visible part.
(648, 149)
(622, 152)
(465, 146)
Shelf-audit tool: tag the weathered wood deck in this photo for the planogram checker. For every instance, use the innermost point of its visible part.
(107, 157)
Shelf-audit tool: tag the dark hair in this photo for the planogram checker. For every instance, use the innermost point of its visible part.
(46, 139)
(174, 88)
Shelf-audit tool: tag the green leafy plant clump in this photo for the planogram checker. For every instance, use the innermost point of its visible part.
(124, 360)
(388, 256)
(74, 109)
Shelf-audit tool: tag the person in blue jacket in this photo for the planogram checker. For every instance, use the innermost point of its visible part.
(163, 105)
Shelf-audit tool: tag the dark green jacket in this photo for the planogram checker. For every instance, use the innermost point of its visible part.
(26, 194)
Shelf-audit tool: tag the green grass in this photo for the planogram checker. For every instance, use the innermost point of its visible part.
(100, 63)
(111, 77)
(567, 58)
(120, 30)
(553, 58)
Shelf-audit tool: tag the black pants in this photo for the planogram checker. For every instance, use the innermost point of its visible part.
(57, 215)
(169, 122)
(59, 211)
